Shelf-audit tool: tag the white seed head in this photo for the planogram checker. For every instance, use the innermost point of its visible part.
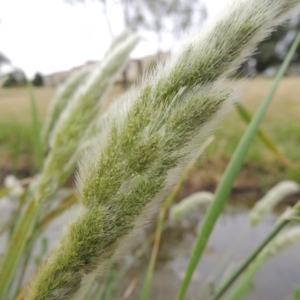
(16, 190)
(285, 240)
(192, 203)
(10, 181)
(271, 199)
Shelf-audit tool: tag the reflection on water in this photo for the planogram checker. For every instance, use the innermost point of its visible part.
(232, 240)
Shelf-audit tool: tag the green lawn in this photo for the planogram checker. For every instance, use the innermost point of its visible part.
(261, 167)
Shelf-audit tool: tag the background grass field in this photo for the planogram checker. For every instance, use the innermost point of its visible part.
(261, 168)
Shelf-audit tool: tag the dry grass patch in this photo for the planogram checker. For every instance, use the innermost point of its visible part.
(281, 124)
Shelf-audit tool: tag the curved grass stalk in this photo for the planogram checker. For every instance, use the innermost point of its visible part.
(235, 164)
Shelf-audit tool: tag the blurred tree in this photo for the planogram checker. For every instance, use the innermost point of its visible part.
(10, 74)
(4, 62)
(284, 44)
(38, 80)
(15, 78)
(163, 16)
(10, 81)
(267, 53)
(4, 59)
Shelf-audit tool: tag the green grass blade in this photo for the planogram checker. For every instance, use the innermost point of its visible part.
(296, 295)
(15, 249)
(230, 175)
(36, 128)
(263, 137)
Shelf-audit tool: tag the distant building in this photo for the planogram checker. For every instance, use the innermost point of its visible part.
(132, 72)
(57, 78)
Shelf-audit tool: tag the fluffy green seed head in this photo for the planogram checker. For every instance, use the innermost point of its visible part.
(77, 256)
(190, 204)
(146, 140)
(119, 39)
(271, 199)
(73, 126)
(60, 101)
(222, 46)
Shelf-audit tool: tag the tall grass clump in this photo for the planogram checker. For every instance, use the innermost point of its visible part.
(76, 121)
(144, 143)
(73, 127)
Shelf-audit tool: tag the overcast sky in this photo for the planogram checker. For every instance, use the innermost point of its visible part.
(49, 35)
